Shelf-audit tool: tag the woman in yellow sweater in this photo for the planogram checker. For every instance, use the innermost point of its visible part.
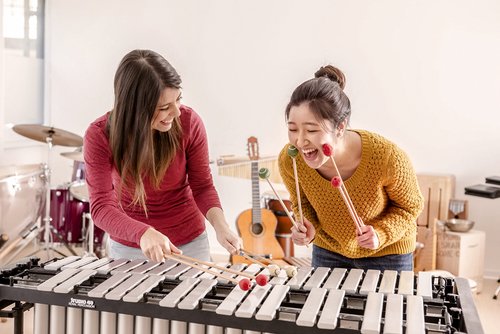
(377, 175)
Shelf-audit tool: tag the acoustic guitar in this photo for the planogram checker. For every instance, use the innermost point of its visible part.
(257, 226)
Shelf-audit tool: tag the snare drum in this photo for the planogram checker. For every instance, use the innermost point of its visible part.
(22, 195)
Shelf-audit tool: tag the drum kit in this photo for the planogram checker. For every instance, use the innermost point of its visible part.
(26, 195)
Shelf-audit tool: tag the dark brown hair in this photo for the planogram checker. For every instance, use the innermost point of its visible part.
(325, 96)
(138, 150)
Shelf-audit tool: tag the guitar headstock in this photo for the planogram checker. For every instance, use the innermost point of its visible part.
(253, 148)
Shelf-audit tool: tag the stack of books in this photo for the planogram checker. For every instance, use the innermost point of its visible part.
(485, 190)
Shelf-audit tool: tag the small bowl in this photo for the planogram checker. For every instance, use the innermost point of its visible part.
(459, 225)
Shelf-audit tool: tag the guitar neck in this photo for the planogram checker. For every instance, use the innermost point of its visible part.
(256, 213)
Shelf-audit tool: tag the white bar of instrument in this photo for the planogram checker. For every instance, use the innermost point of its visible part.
(388, 283)
(268, 310)
(178, 292)
(352, 280)
(250, 304)
(333, 281)
(52, 282)
(302, 274)
(370, 282)
(145, 268)
(231, 302)
(192, 300)
(103, 288)
(106, 269)
(193, 272)
(393, 320)
(373, 313)
(310, 310)
(80, 277)
(79, 263)
(163, 267)
(124, 287)
(406, 283)
(415, 319)
(128, 266)
(137, 293)
(424, 284)
(175, 272)
(97, 264)
(331, 309)
(316, 278)
(214, 271)
(56, 265)
(251, 269)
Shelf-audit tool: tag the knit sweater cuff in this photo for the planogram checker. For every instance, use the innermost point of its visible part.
(382, 236)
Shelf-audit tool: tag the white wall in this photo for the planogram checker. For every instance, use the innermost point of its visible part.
(422, 73)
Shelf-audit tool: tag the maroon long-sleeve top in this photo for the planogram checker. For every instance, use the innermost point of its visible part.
(177, 209)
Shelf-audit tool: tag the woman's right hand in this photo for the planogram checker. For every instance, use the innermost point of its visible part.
(155, 245)
(304, 234)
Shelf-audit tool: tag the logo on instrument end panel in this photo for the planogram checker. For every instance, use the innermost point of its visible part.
(84, 303)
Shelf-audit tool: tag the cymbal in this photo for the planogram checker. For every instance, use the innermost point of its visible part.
(40, 133)
(75, 155)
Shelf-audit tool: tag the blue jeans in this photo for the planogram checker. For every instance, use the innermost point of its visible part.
(199, 248)
(325, 258)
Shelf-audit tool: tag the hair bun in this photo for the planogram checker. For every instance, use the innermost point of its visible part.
(332, 73)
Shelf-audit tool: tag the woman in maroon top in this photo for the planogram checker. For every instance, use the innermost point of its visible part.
(146, 161)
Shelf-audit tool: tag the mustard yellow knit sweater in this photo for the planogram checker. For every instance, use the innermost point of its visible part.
(384, 192)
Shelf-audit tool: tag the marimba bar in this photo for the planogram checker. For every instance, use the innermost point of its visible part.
(90, 295)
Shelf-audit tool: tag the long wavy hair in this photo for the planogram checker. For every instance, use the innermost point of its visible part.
(140, 153)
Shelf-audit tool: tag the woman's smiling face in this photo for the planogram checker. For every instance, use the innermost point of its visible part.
(308, 135)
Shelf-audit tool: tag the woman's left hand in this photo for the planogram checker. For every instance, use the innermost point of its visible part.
(368, 238)
(227, 238)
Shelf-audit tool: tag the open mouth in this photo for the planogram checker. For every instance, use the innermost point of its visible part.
(310, 154)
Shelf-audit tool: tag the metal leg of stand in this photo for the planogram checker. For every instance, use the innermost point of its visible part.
(64, 242)
(497, 291)
(89, 234)
(19, 318)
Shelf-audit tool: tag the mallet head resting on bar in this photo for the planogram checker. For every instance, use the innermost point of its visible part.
(261, 279)
(274, 270)
(292, 151)
(244, 284)
(264, 173)
(291, 271)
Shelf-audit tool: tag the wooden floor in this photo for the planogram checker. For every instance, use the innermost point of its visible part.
(488, 309)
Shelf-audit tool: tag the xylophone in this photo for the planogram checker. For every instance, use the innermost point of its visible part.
(90, 295)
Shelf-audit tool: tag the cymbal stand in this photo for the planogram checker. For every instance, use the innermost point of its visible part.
(47, 227)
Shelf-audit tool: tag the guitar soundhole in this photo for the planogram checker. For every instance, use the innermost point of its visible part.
(257, 228)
